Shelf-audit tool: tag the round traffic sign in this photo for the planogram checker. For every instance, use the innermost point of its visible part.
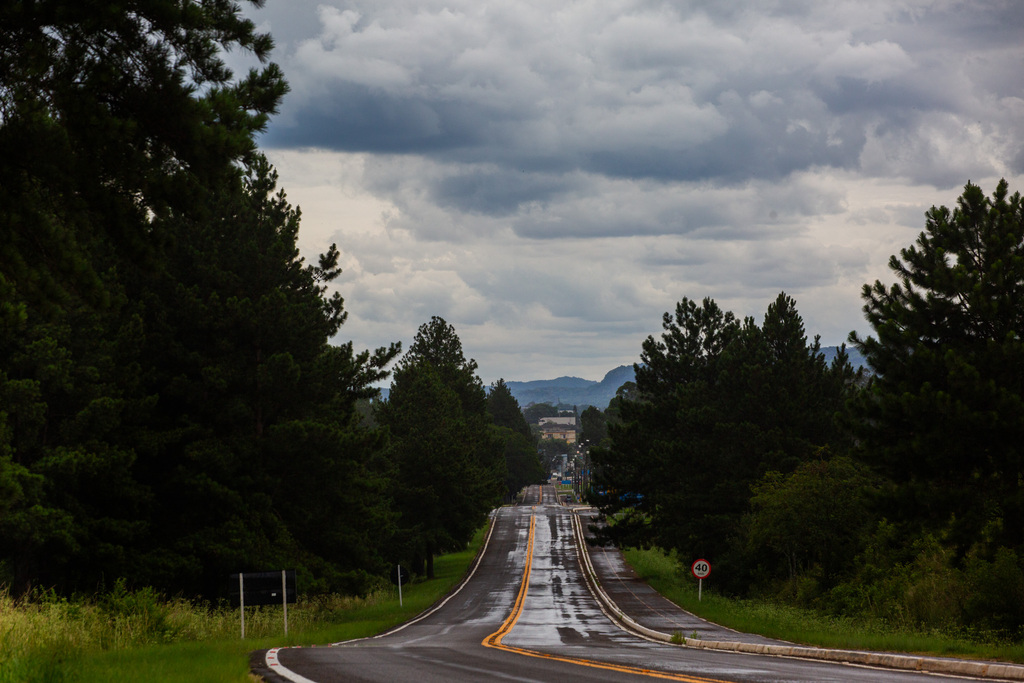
(701, 569)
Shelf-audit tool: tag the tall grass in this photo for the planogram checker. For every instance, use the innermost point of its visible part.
(129, 636)
(673, 580)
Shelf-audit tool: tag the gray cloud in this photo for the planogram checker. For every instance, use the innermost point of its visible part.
(636, 89)
(536, 167)
(496, 191)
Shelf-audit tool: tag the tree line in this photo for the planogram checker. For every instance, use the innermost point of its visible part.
(896, 492)
(175, 404)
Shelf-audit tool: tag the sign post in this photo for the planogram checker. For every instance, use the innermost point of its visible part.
(241, 601)
(284, 598)
(399, 575)
(700, 569)
(264, 588)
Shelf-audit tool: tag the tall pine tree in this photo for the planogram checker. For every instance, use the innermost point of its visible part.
(522, 463)
(450, 465)
(255, 452)
(718, 404)
(944, 416)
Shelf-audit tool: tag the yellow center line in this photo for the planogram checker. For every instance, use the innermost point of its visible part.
(494, 640)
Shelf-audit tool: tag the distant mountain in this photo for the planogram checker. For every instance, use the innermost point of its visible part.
(575, 391)
(856, 359)
(572, 391)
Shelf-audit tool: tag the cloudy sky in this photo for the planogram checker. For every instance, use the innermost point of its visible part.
(551, 176)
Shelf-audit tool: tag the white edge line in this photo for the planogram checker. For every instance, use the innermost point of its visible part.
(281, 670)
(608, 607)
(275, 665)
(451, 595)
(923, 665)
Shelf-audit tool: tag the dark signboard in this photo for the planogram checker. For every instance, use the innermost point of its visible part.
(399, 575)
(263, 588)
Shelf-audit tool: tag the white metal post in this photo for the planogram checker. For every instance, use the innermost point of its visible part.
(241, 600)
(700, 587)
(399, 570)
(284, 599)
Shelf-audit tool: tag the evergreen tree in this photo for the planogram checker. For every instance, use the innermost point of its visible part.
(257, 411)
(115, 114)
(504, 409)
(718, 403)
(68, 391)
(437, 344)
(627, 392)
(535, 411)
(522, 464)
(659, 470)
(449, 462)
(944, 416)
(169, 402)
(594, 426)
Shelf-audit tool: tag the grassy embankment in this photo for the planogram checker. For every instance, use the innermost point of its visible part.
(139, 636)
(670, 578)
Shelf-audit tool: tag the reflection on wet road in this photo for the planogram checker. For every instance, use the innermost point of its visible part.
(526, 614)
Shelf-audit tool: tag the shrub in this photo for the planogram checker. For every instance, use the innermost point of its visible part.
(996, 592)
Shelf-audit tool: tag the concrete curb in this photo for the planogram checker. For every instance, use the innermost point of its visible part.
(960, 667)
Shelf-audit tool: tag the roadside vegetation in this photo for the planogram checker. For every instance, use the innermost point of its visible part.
(888, 494)
(140, 635)
(178, 403)
(774, 619)
(177, 399)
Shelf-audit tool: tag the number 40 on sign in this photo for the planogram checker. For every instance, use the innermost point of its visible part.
(700, 569)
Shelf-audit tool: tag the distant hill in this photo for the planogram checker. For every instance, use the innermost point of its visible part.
(575, 391)
(856, 359)
(572, 391)
(581, 393)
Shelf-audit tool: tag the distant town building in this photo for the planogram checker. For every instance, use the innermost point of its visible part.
(565, 432)
(568, 420)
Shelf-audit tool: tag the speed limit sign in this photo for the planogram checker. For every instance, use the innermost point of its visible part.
(701, 569)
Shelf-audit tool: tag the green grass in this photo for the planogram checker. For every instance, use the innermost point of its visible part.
(371, 619)
(670, 578)
(199, 662)
(138, 637)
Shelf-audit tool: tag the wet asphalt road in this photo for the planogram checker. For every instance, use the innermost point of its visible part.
(526, 614)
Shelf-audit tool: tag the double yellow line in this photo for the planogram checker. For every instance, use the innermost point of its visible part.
(494, 640)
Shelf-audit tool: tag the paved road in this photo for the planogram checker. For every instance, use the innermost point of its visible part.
(526, 614)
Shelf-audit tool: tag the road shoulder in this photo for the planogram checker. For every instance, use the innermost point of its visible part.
(636, 607)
